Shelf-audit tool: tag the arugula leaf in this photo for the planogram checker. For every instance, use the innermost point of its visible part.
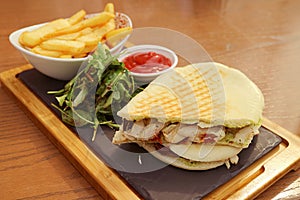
(101, 88)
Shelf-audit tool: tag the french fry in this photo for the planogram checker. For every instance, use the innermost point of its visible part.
(36, 36)
(21, 41)
(115, 36)
(89, 39)
(73, 36)
(71, 47)
(39, 50)
(100, 31)
(66, 56)
(88, 49)
(80, 55)
(86, 31)
(77, 17)
(97, 20)
(70, 36)
(109, 7)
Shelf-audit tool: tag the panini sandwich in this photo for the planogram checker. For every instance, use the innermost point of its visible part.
(196, 117)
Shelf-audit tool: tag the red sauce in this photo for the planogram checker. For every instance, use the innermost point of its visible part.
(148, 62)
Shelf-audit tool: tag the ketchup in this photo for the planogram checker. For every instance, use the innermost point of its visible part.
(148, 62)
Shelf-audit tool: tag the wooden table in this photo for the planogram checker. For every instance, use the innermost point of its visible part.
(261, 38)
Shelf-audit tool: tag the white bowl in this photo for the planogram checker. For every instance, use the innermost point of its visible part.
(148, 77)
(59, 68)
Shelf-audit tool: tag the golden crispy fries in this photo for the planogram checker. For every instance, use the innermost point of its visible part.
(76, 36)
(97, 20)
(39, 50)
(115, 36)
(72, 47)
(70, 36)
(89, 39)
(21, 41)
(109, 7)
(73, 36)
(86, 31)
(80, 55)
(77, 17)
(102, 30)
(66, 56)
(88, 49)
(36, 36)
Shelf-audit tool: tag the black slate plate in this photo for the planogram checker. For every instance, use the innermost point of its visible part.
(166, 182)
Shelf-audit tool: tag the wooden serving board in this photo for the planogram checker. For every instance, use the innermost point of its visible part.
(246, 185)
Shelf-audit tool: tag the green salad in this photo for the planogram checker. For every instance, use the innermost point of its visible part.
(97, 92)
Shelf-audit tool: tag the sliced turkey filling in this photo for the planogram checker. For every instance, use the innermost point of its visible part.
(151, 130)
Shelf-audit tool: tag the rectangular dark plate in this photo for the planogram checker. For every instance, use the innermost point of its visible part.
(163, 183)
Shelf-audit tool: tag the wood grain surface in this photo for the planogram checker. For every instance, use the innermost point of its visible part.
(261, 38)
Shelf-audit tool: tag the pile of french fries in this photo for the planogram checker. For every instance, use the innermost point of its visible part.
(75, 37)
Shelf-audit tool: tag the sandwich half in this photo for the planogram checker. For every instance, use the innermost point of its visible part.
(196, 117)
